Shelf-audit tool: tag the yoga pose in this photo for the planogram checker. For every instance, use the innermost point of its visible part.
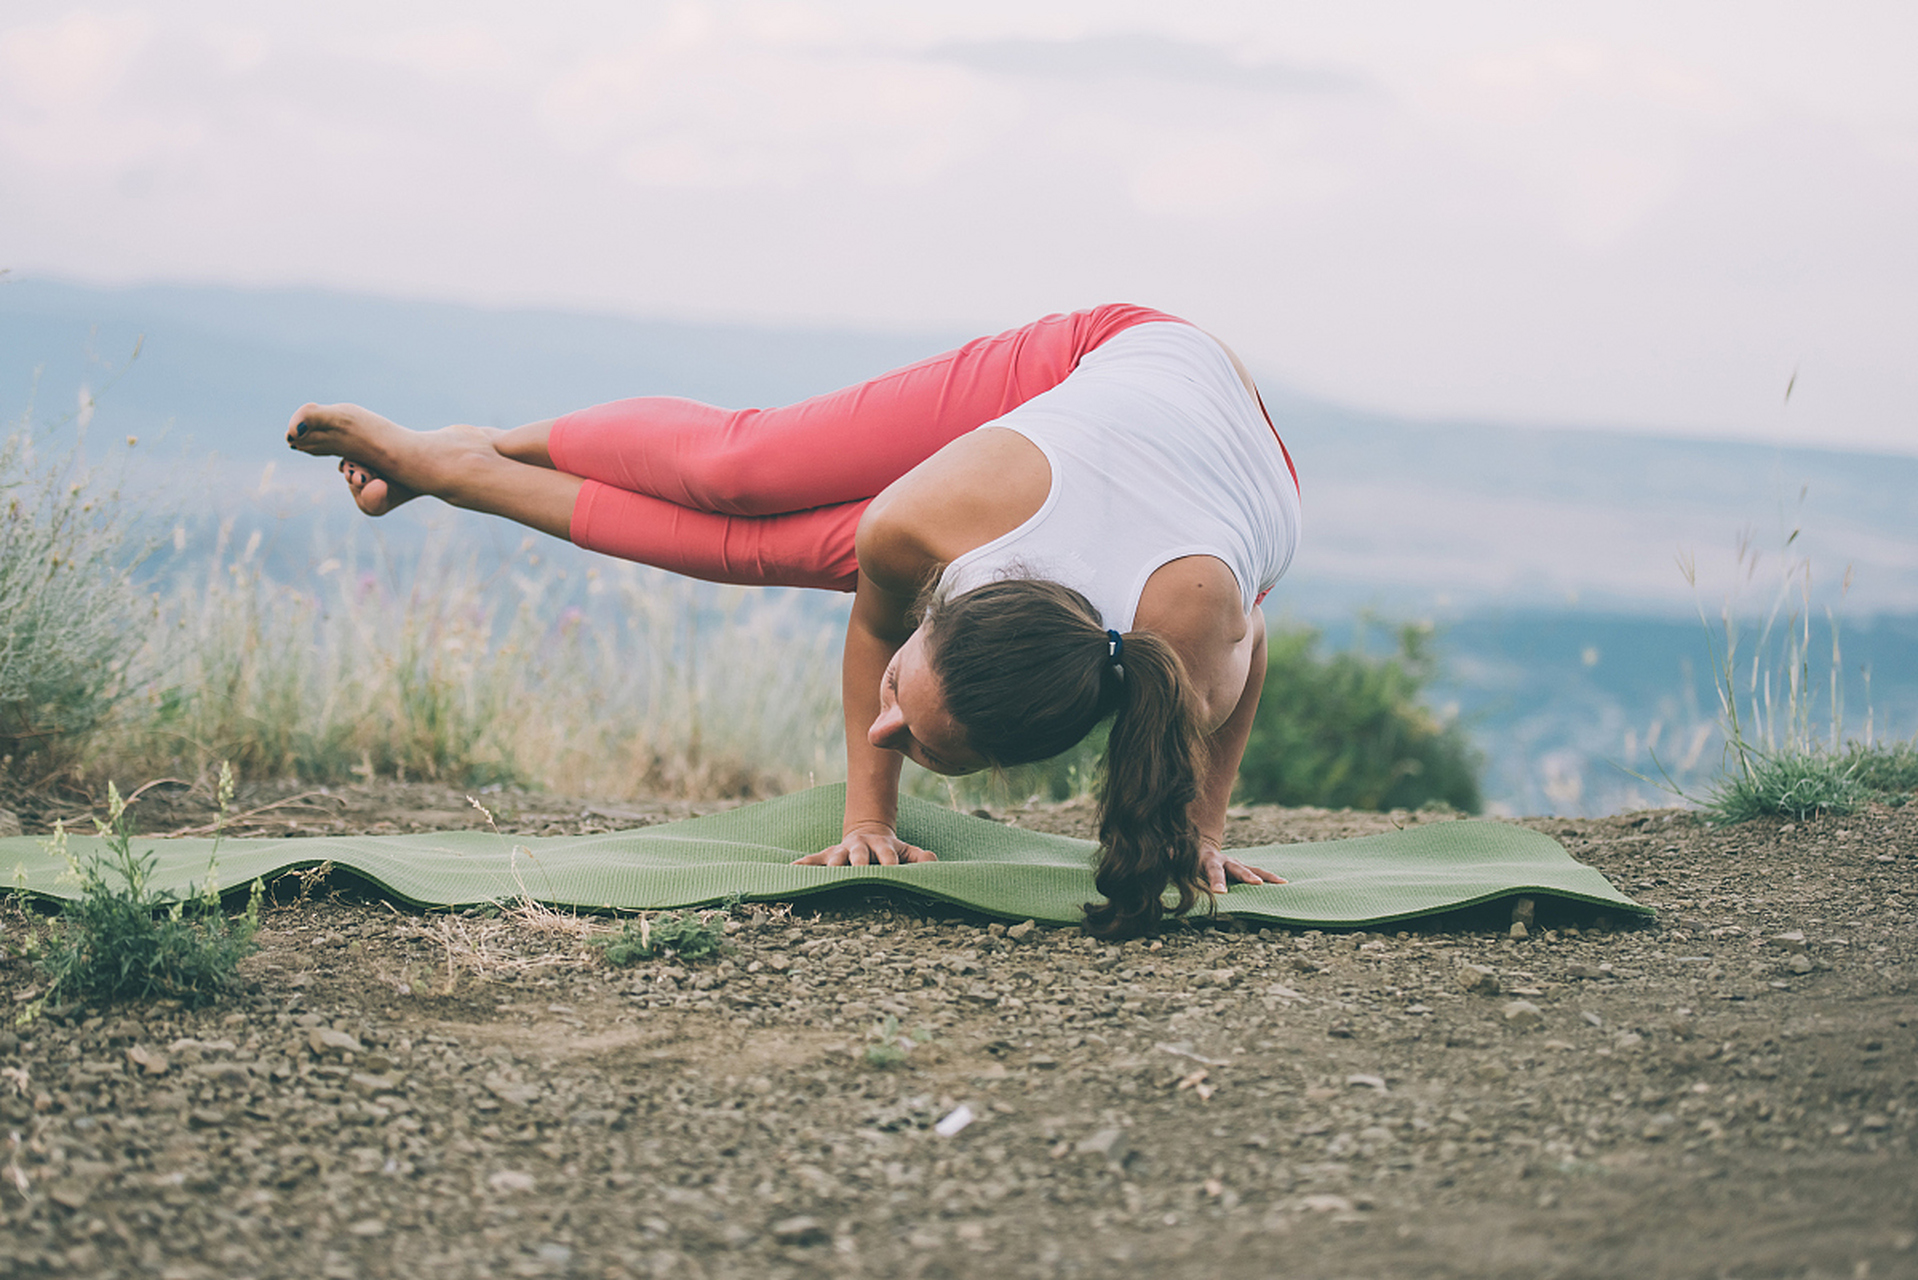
(1070, 521)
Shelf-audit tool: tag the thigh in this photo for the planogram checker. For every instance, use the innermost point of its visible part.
(844, 446)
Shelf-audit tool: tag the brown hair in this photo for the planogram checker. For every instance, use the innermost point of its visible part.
(1025, 669)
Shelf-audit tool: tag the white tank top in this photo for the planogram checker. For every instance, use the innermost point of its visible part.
(1158, 450)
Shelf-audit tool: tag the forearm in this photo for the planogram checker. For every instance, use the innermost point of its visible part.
(873, 634)
(1225, 748)
(872, 773)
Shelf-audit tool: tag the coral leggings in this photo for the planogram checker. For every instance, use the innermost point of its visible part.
(772, 497)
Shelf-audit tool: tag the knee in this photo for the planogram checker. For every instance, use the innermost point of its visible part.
(740, 481)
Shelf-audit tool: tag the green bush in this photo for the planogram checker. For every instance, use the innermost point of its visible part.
(119, 940)
(1350, 730)
(69, 615)
(1887, 769)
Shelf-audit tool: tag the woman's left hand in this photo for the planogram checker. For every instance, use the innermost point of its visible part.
(1218, 870)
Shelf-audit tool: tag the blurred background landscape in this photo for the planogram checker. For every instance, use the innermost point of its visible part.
(1590, 329)
(1567, 639)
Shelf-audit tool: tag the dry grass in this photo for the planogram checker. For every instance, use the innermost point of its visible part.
(631, 683)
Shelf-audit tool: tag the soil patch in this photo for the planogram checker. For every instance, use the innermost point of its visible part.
(1729, 1091)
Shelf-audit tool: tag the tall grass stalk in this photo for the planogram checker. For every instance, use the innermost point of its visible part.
(1782, 757)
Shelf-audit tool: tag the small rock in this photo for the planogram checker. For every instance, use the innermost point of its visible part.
(1359, 1080)
(206, 1118)
(1800, 964)
(1478, 979)
(1793, 941)
(510, 1180)
(9, 823)
(371, 1086)
(325, 1040)
(1523, 1013)
(1519, 931)
(366, 1228)
(147, 1060)
(69, 1195)
(1108, 1144)
(1021, 931)
(1325, 1203)
(800, 1230)
(1585, 972)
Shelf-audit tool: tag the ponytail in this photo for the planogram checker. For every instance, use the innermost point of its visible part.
(1154, 755)
(1028, 669)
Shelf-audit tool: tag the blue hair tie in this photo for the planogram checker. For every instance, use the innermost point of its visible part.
(1115, 651)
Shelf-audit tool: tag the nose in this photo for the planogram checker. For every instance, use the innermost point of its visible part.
(888, 728)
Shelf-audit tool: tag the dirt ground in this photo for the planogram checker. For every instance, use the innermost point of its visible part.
(1731, 1091)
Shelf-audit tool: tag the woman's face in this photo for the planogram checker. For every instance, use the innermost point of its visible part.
(913, 719)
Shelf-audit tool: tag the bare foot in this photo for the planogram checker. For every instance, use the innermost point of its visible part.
(375, 495)
(384, 463)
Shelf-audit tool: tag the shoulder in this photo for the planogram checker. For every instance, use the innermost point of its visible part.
(1193, 604)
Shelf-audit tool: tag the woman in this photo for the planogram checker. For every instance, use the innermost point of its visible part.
(1069, 521)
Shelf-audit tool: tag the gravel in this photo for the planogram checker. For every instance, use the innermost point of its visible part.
(1732, 1090)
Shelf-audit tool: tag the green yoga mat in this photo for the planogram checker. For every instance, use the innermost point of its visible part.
(992, 868)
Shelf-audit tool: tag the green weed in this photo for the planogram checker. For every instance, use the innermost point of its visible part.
(689, 936)
(1779, 759)
(121, 940)
(890, 1047)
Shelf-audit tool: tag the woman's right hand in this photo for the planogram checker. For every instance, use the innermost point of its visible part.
(868, 845)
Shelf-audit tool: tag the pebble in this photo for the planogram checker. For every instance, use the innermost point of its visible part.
(1800, 964)
(1021, 931)
(1519, 932)
(1793, 941)
(1108, 1144)
(1325, 1202)
(325, 1040)
(1478, 979)
(147, 1060)
(507, 1180)
(799, 1230)
(1523, 1013)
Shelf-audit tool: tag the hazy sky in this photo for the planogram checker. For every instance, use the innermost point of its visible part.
(1641, 214)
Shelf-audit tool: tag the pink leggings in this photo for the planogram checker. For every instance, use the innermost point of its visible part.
(772, 497)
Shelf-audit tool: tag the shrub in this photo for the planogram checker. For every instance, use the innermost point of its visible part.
(122, 941)
(1350, 730)
(69, 615)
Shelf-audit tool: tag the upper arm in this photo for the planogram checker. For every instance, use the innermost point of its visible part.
(1195, 606)
(894, 567)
